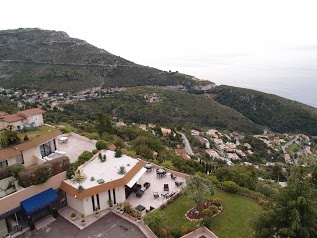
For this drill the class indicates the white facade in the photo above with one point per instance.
(85, 206)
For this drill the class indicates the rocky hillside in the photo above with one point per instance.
(51, 60)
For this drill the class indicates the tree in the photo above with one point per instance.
(199, 189)
(103, 124)
(293, 213)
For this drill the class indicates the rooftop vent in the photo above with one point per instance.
(100, 181)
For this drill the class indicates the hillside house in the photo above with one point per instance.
(203, 141)
(233, 156)
(108, 183)
(212, 153)
(13, 201)
(195, 133)
(182, 153)
(28, 118)
(166, 131)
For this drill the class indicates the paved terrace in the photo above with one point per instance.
(75, 145)
(157, 185)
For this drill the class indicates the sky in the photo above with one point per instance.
(265, 45)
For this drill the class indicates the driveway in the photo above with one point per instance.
(187, 145)
(110, 226)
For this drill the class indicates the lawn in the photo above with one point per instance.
(36, 132)
(234, 220)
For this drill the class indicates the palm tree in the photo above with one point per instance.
(78, 176)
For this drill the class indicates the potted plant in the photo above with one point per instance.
(118, 207)
(83, 221)
(122, 208)
(97, 212)
(138, 215)
(110, 203)
(73, 216)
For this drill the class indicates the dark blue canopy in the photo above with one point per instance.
(39, 201)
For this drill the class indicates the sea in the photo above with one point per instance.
(289, 73)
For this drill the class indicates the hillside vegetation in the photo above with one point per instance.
(51, 60)
(174, 108)
(277, 113)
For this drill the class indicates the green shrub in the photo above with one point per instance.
(176, 232)
(230, 186)
(34, 175)
(213, 209)
(207, 212)
(13, 170)
(118, 153)
(65, 130)
(59, 165)
(216, 201)
(122, 170)
(25, 129)
(101, 145)
(95, 151)
(93, 136)
(4, 173)
(85, 156)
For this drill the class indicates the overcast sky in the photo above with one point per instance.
(237, 42)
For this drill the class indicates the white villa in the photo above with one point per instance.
(103, 182)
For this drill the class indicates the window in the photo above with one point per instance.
(93, 203)
(97, 195)
(3, 164)
(114, 196)
(48, 148)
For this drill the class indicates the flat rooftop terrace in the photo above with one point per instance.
(75, 145)
(107, 171)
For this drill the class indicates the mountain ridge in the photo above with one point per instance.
(52, 61)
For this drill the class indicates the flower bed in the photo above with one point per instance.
(194, 215)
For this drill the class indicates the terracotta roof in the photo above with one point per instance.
(3, 113)
(17, 149)
(180, 151)
(9, 153)
(103, 187)
(12, 118)
(112, 147)
(30, 112)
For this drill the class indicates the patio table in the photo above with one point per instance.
(164, 193)
(161, 171)
(63, 139)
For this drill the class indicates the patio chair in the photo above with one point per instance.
(156, 195)
(177, 183)
(146, 185)
(166, 188)
(173, 176)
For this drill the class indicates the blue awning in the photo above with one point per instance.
(36, 203)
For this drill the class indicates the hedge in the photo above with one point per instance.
(40, 174)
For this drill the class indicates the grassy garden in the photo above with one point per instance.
(233, 221)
